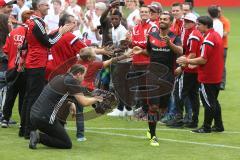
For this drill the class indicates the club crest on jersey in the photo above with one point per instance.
(153, 29)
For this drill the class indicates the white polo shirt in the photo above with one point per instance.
(218, 26)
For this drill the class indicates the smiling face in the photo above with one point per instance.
(165, 21)
(131, 4)
(144, 13)
(186, 9)
(115, 19)
(177, 12)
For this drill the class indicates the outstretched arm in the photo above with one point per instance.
(87, 101)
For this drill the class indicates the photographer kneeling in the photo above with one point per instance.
(53, 97)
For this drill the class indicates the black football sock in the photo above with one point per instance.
(152, 128)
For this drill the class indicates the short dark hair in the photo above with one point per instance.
(34, 4)
(206, 20)
(169, 14)
(141, 3)
(190, 1)
(177, 5)
(76, 68)
(64, 19)
(116, 12)
(190, 5)
(213, 11)
(144, 6)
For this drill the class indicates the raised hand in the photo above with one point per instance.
(137, 50)
(115, 4)
(66, 28)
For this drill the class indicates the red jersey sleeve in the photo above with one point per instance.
(194, 46)
(77, 44)
(97, 64)
(207, 49)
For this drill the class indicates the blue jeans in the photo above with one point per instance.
(171, 109)
(79, 121)
(188, 109)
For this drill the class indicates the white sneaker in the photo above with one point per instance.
(116, 112)
(127, 113)
(82, 139)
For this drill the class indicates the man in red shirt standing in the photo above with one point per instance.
(17, 86)
(67, 47)
(209, 74)
(187, 85)
(36, 59)
(178, 21)
(140, 32)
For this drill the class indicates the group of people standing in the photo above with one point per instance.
(188, 45)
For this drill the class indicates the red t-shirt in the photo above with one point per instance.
(92, 69)
(192, 45)
(67, 47)
(177, 27)
(39, 42)
(212, 51)
(14, 40)
(139, 38)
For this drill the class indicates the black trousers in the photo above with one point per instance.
(35, 82)
(212, 109)
(52, 135)
(187, 86)
(15, 88)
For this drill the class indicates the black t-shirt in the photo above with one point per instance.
(160, 52)
(53, 96)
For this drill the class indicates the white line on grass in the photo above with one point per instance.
(163, 139)
(159, 129)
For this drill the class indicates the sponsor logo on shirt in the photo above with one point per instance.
(161, 49)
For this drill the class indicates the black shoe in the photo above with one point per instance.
(201, 130)
(217, 129)
(175, 123)
(20, 133)
(34, 139)
(4, 124)
(222, 86)
(27, 134)
(191, 125)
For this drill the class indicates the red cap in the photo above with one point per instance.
(3, 3)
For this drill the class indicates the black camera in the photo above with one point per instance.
(122, 3)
